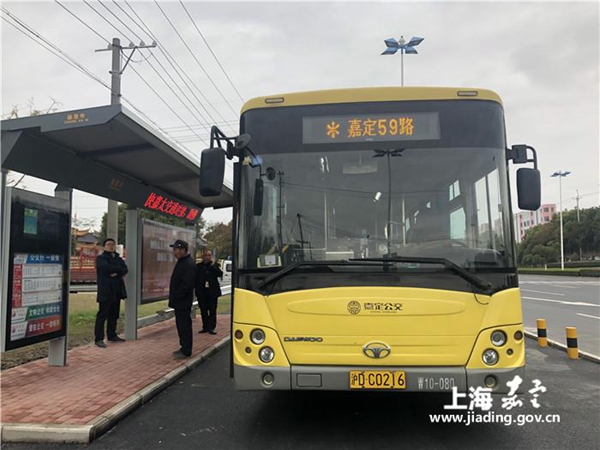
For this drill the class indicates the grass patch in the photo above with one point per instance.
(82, 317)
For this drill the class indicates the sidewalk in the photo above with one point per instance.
(99, 386)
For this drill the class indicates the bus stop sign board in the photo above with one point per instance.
(36, 268)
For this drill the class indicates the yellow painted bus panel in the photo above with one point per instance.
(422, 326)
(373, 94)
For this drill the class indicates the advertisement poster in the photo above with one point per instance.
(157, 257)
(37, 291)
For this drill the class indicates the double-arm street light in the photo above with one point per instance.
(405, 47)
(560, 174)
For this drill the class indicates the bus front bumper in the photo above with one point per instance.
(337, 378)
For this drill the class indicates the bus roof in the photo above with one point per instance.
(371, 94)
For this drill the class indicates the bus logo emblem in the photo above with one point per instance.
(377, 350)
(353, 307)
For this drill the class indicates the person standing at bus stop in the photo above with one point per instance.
(208, 291)
(181, 296)
(110, 270)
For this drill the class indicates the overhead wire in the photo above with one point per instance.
(196, 59)
(158, 74)
(56, 51)
(133, 106)
(211, 51)
(171, 60)
(207, 129)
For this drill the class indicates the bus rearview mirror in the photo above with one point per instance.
(212, 172)
(529, 189)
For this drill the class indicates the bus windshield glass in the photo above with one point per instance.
(442, 192)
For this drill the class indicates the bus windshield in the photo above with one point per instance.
(385, 201)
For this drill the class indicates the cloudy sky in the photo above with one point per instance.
(542, 58)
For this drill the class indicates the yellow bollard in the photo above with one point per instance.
(572, 347)
(541, 332)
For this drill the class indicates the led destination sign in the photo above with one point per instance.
(371, 128)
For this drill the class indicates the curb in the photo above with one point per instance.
(558, 345)
(84, 434)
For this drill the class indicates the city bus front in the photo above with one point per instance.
(374, 245)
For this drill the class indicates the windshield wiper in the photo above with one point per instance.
(283, 272)
(465, 274)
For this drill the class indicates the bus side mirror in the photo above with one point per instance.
(529, 189)
(258, 197)
(212, 172)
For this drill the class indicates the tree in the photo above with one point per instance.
(219, 238)
(541, 244)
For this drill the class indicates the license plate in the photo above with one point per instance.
(377, 379)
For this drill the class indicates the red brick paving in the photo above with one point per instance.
(95, 379)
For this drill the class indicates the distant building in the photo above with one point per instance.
(525, 220)
(84, 236)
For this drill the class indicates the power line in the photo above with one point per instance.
(171, 60)
(194, 56)
(211, 51)
(90, 28)
(51, 47)
(56, 51)
(139, 111)
(168, 60)
(159, 75)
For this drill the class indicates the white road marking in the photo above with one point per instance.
(559, 301)
(587, 315)
(589, 283)
(540, 292)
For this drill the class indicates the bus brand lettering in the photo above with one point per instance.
(383, 307)
(302, 339)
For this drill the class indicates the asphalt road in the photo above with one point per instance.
(563, 302)
(203, 410)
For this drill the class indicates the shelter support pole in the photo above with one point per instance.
(133, 279)
(57, 348)
(2, 200)
(112, 221)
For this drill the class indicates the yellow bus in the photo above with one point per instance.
(374, 246)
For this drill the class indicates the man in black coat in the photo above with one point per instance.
(110, 269)
(181, 296)
(208, 291)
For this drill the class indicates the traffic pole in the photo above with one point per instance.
(572, 347)
(542, 333)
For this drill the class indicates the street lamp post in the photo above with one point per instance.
(560, 174)
(394, 45)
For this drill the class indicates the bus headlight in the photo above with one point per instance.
(490, 357)
(266, 354)
(257, 336)
(498, 338)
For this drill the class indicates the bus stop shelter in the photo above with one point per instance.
(109, 152)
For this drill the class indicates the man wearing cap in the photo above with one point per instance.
(181, 296)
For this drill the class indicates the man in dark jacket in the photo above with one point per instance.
(208, 291)
(181, 296)
(110, 269)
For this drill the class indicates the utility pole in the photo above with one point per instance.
(577, 198)
(560, 174)
(112, 221)
(579, 221)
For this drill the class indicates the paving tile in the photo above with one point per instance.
(83, 390)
